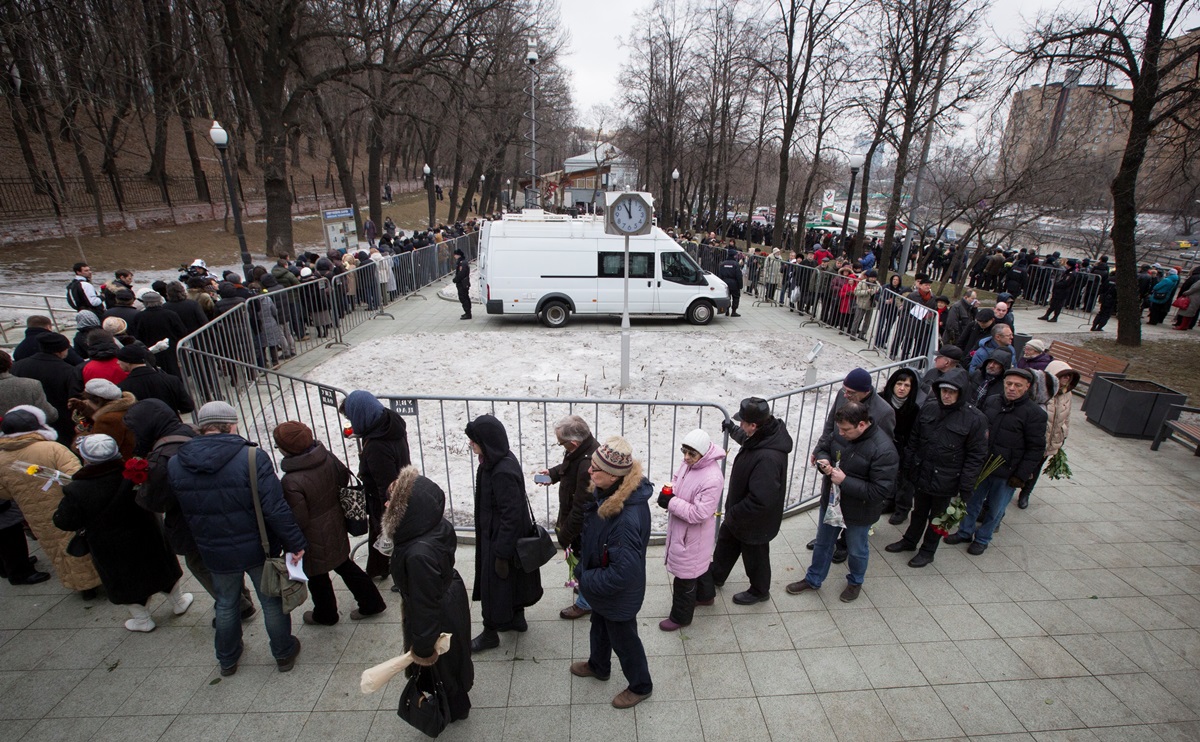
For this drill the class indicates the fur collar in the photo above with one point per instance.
(615, 503)
(126, 401)
(399, 494)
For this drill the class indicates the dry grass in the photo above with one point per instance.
(1171, 363)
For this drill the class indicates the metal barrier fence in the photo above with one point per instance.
(1079, 297)
(61, 315)
(889, 323)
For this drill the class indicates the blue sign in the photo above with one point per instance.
(330, 214)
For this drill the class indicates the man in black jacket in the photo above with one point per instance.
(37, 325)
(574, 492)
(754, 504)
(1017, 437)
(60, 380)
(948, 358)
(731, 273)
(958, 316)
(862, 462)
(146, 382)
(945, 452)
(462, 279)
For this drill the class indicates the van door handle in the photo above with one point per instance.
(649, 284)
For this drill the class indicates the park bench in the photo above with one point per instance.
(1172, 426)
(1087, 363)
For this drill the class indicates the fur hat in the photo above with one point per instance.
(102, 388)
(133, 354)
(98, 448)
(698, 441)
(115, 325)
(614, 456)
(24, 419)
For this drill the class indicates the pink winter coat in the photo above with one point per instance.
(691, 527)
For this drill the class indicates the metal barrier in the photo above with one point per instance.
(23, 304)
(804, 412)
(1079, 296)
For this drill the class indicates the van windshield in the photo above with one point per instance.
(678, 267)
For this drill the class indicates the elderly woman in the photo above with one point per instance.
(25, 437)
(384, 439)
(435, 598)
(1034, 356)
(501, 517)
(1062, 380)
(691, 528)
(312, 478)
(574, 492)
(101, 409)
(126, 542)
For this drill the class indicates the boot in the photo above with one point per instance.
(487, 639)
(180, 601)
(141, 620)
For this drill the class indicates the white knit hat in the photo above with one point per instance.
(698, 441)
(98, 448)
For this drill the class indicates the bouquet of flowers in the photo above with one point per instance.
(572, 561)
(1057, 467)
(137, 470)
(52, 476)
(948, 521)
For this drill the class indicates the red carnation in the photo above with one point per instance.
(137, 470)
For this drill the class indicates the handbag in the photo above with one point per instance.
(353, 498)
(1182, 302)
(275, 580)
(424, 703)
(537, 548)
(78, 545)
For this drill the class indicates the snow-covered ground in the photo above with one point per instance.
(693, 368)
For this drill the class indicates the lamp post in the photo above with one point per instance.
(856, 161)
(532, 194)
(675, 199)
(429, 192)
(220, 139)
(482, 178)
(507, 193)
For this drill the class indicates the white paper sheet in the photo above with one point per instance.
(296, 571)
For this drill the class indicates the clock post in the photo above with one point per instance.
(627, 214)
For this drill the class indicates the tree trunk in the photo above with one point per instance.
(375, 129)
(337, 148)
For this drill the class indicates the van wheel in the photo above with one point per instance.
(700, 312)
(555, 314)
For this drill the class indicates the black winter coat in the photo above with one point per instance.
(969, 339)
(155, 323)
(29, 346)
(574, 492)
(758, 483)
(145, 382)
(731, 274)
(501, 517)
(958, 316)
(384, 454)
(948, 446)
(189, 313)
(435, 598)
(870, 463)
(128, 548)
(159, 433)
(1017, 433)
(60, 380)
(906, 416)
(125, 312)
(612, 557)
(882, 415)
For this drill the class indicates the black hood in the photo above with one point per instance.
(914, 395)
(957, 378)
(152, 419)
(423, 512)
(489, 434)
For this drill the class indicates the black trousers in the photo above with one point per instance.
(902, 494)
(378, 563)
(1102, 317)
(1032, 481)
(609, 636)
(735, 298)
(683, 598)
(925, 508)
(14, 553)
(320, 588)
(464, 298)
(756, 558)
(1158, 312)
(1056, 307)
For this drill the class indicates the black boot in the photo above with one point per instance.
(487, 639)
(1023, 500)
(898, 517)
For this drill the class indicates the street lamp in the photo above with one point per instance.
(674, 198)
(482, 178)
(429, 192)
(220, 139)
(856, 162)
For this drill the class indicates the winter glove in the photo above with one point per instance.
(727, 426)
(502, 568)
(1016, 482)
(664, 501)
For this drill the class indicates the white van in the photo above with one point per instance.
(552, 266)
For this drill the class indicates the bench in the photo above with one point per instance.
(1172, 426)
(1087, 363)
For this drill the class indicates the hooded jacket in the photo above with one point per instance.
(1058, 409)
(311, 483)
(906, 415)
(211, 478)
(612, 561)
(1017, 434)
(758, 482)
(384, 438)
(158, 433)
(985, 351)
(691, 528)
(948, 445)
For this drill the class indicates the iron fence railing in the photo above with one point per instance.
(22, 305)
(1079, 298)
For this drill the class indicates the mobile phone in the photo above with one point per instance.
(541, 478)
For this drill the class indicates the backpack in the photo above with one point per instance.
(76, 299)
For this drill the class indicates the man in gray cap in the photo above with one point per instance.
(754, 505)
(211, 477)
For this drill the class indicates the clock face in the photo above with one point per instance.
(630, 214)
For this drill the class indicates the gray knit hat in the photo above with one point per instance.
(103, 388)
(98, 448)
(216, 413)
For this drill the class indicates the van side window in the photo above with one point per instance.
(612, 265)
(678, 267)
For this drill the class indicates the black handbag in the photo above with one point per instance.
(353, 498)
(537, 548)
(78, 545)
(424, 703)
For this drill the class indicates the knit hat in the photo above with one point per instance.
(698, 441)
(614, 456)
(24, 419)
(85, 318)
(52, 342)
(98, 448)
(293, 438)
(858, 380)
(115, 325)
(1038, 345)
(133, 354)
(363, 409)
(152, 299)
(216, 413)
(102, 388)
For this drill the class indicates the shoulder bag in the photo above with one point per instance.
(424, 703)
(275, 580)
(1182, 302)
(537, 548)
(354, 507)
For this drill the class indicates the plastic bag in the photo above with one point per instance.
(833, 512)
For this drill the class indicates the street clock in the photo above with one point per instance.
(630, 213)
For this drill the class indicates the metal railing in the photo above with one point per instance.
(1081, 295)
(23, 305)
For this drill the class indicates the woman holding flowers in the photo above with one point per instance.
(1058, 421)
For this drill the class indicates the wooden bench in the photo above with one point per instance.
(1172, 426)
(1087, 363)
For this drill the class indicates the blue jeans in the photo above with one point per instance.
(856, 542)
(228, 597)
(995, 492)
(582, 602)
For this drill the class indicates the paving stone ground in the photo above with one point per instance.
(1080, 623)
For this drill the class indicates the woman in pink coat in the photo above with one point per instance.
(691, 528)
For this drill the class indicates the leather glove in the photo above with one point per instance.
(1016, 482)
(502, 568)
(727, 426)
(664, 501)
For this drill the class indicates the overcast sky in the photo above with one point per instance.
(595, 54)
